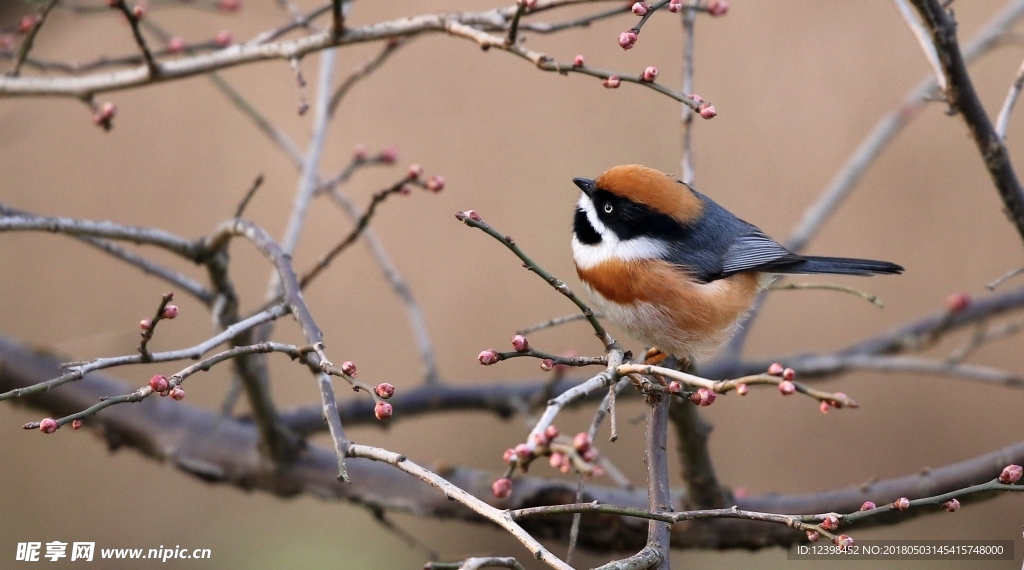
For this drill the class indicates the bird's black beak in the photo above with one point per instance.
(585, 184)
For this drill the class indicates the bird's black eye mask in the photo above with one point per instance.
(629, 219)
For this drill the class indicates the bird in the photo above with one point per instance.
(673, 268)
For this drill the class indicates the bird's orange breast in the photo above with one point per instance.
(663, 306)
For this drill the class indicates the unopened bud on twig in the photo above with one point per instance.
(577, 61)
(951, 505)
(435, 183)
(77, 424)
(707, 111)
(1011, 474)
(389, 155)
(831, 522)
(742, 389)
(382, 410)
(582, 442)
(718, 7)
(230, 5)
(775, 369)
(415, 171)
(675, 387)
(25, 26)
(502, 488)
(843, 541)
(901, 504)
(170, 311)
(627, 39)
(867, 506)
(640, 8)
(520, 343)
(48, 425)
(786, 387)
(384, 390)
(139, 10)
(547, 365)
(178, 393)
(348, 368)
(158, 383)
(957, 302)
(651, 73)
(488, 357)
(551, 431)
(612, 82)
(813, 535)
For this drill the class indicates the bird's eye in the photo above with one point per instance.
(608, 207)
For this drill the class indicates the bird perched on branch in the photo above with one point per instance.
(673, 268)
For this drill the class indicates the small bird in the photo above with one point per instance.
(673, 268)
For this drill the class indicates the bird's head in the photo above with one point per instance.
(634, 204)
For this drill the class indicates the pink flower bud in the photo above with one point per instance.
(824, 406)
(640, 9)
(551, 431)
(565, 467)
(786, 387)
(404, 190)
(25, 26)
(843, 541)
(612, 82)
(224, 38)
(675, 6)
(1011, 474)
(831, 522)
(651, 73)
(597, 471)
(742, 389)
(627, 39)
(540, 439)
(77, 424)
(901, 504)
(547, 365)
(695, 97)
(718, 7)
(582, 442)
(348, 368)
(867, 506)
(359, 153)
(578, 61)
(957, 302)
(590, 455)
(382, 410)
(520, 343)
(502, 488)
(170, 311)
(813, 535)
(703, 397)
(951, 505)
(158, 383)
(230, 5)
(740, 492)
(675, 387)
(144, 324)
(510, 456)
(488, 357)
(389, 155)
(48, 425)
(435, 183)
(139, 10)
(177, 393)
(775, 369)
(176, 45)
(523, 452)
(707, 111)
(415, 171)
(789, 374)
(471, 214)
(556, 460)
(384, 390)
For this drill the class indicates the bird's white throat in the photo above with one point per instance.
(611, 247)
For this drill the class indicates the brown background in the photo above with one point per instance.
(797, 85)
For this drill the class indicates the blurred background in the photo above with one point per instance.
(797, 85)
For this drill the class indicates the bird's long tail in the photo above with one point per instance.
(837, 265)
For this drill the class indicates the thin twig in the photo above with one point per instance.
(133, 21)
(1003, 120)
(150, 328)
(30, 38)
(1007, 276)
(555, 322)
(921, 35)
(472, 219)
(248, 196)
(869, 297)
